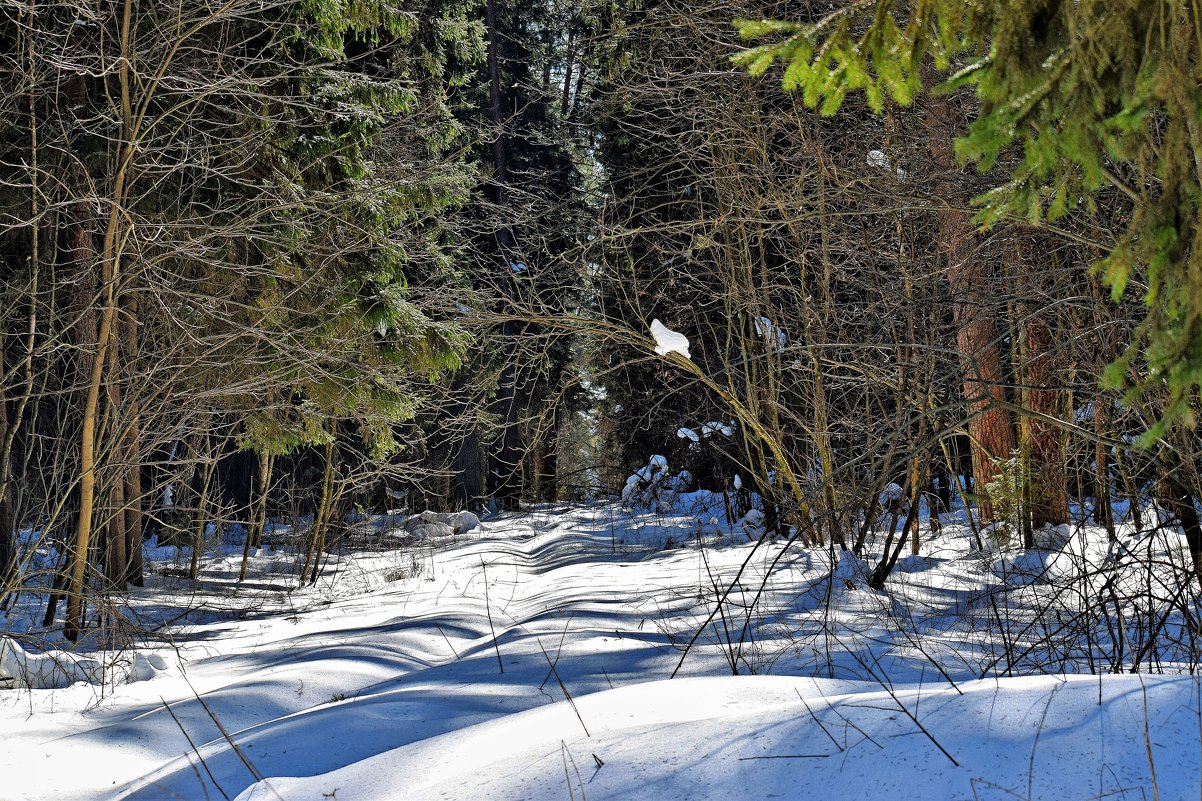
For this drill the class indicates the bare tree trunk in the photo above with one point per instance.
(569, 63)
(201, 507)
(8, 543)
(322, 515)
(331, 498)
(87, 467)
(1178, 498)
(116, 558)
(1103, 510)
(254, 535)
(9, 428)
(469, 468)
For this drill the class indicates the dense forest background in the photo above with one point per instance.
(285, 261)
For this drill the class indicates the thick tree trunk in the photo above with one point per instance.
(1043, 440)
(116, 558)
(506, 461)
(1179, 500)
(133, 460)
(989, 424)
(469, 489)
(254, 534)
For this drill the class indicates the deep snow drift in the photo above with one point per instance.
(531, 657)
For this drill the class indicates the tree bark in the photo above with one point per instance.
(506, 462)
(1043, 440)
(989, 424)
(1179, 500)
(133, 460)
(254, 534)
(202, 503)
(1103, 510)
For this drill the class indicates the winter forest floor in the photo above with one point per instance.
(533, 658)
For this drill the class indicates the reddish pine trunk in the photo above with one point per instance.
(1044, 442)
(989, 424)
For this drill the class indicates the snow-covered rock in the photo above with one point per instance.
(435, 530)
(55, 669)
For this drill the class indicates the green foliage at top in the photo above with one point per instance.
(1085, 95)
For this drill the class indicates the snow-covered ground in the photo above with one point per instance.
(578, 653)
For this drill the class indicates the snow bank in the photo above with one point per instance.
(1046, 738)
(55, 669)
(435, 525)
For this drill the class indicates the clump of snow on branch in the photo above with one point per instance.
(891, 495)
(878, 159)
(669, 341)
(708, 430)
(688, 433)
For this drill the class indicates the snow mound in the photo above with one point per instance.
(781, 737)
(460, 522)
(439, 524)
(753, 523)
(54, 670)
